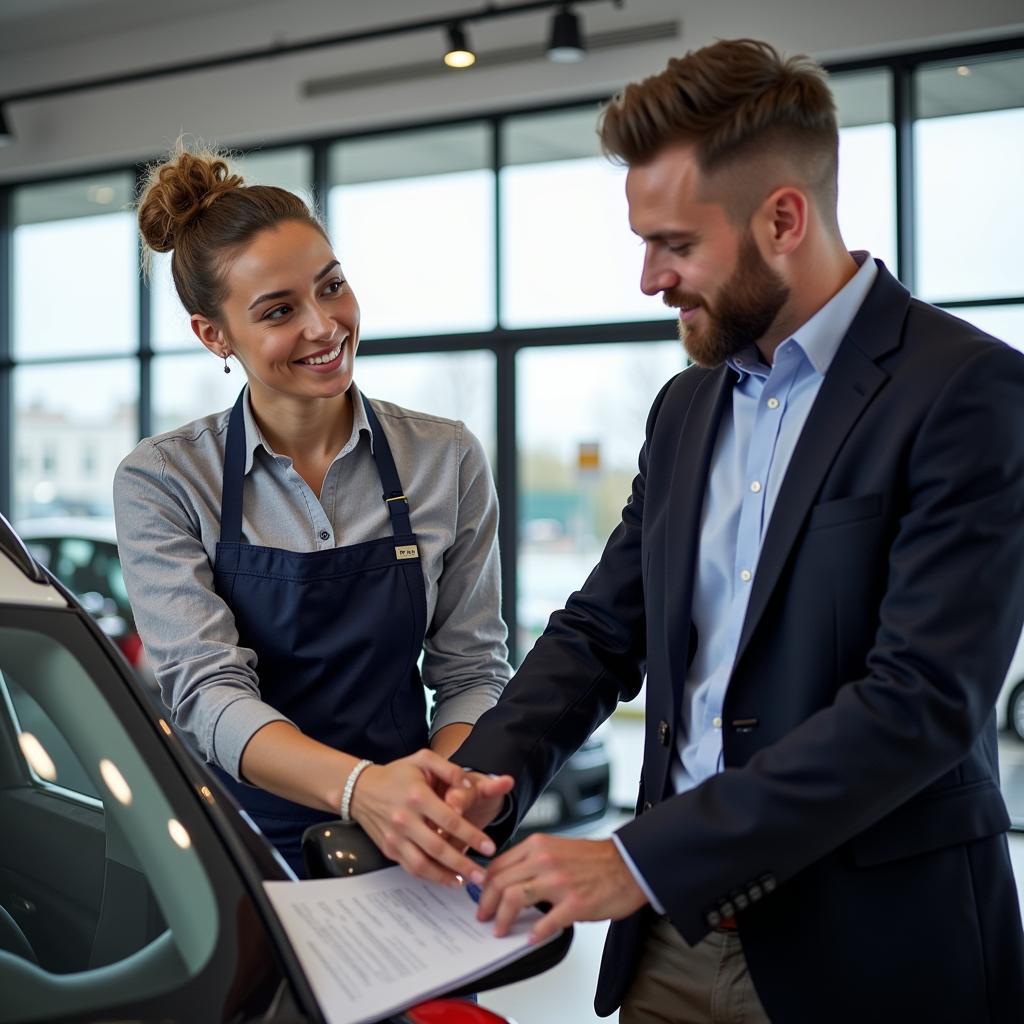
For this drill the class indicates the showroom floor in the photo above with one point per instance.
(570, 985)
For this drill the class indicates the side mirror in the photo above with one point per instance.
(338, 849)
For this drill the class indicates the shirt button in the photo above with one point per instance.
(756, 486)
(746, 575)
(773, 403)
(717, 722)
(324, 535)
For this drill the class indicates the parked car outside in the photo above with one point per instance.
(1010, 704)
(131, 884)
(82, 553)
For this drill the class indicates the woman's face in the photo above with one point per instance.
(290, 317)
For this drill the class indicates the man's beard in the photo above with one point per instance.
(747, 306)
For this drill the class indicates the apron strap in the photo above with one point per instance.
(234, 476)
(394, 498)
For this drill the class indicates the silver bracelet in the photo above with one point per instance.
(350, 785)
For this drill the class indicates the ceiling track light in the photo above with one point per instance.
(459, 53)
(6, 135)
(566, 45)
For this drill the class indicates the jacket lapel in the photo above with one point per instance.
(695, 442)
(851, 383)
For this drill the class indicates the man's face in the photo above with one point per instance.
(702, 264)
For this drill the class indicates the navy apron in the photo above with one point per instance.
(337, 634)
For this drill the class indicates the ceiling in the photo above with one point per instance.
(26, 24)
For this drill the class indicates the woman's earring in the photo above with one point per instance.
(227, 369)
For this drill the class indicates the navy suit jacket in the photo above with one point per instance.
(857, 828)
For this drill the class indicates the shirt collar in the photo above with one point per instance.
(254, 438)
(820, 336)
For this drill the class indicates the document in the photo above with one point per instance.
(372, 945)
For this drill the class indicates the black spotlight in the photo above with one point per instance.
(566, 44)
(6, 135)
(459, 53)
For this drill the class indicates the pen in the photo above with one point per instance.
(473, 890)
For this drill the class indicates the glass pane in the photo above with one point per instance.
(457, 385)
(968, 171)
(134, 875)
(186, 387)
(169, 323)
(287, 168)
(867, 163)
(75, 276)
(562, 202)
(412, 220)
(72, 425)
(581, 413)
(1003, 322)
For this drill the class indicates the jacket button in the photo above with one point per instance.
(647, 805)
(713, 918)
(663, 733)
(768, 883)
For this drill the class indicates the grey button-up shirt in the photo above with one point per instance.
(167, 500)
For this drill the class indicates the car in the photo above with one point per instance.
(1010, 703)
(576, 796)
(131, 884)
(82, 553)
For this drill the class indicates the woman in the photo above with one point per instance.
(290, 559)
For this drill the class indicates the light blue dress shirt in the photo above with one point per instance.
(770, 405)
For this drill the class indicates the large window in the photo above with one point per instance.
(567, 254)
(412, 220)
(74, 289)
(499, 284)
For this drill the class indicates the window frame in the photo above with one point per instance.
(503, 342)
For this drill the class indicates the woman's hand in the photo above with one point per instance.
(398, 806)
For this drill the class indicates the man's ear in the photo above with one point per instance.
(782, 220)
(211, 335)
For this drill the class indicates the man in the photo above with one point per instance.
(819, 570)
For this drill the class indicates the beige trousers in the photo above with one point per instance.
(704, 984)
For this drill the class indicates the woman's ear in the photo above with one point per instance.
(210, 335)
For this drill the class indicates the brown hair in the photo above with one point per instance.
(735, 101)
(194, 205)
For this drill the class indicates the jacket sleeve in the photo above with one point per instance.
(590, 656)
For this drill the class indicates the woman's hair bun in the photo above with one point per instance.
(178, 191)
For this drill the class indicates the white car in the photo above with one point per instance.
(1010, 704)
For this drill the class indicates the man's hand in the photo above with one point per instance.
(399, 807)
(582, 879)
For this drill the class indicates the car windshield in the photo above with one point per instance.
(104, 898)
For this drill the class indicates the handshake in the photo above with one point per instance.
(425, 813)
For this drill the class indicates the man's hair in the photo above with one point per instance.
(738, 103)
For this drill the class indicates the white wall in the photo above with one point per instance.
(260, 103)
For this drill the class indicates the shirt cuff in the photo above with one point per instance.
(237, 724)
(465, 708)
(628, 861)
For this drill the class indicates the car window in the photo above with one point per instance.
(34, 726)
(99, 878)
